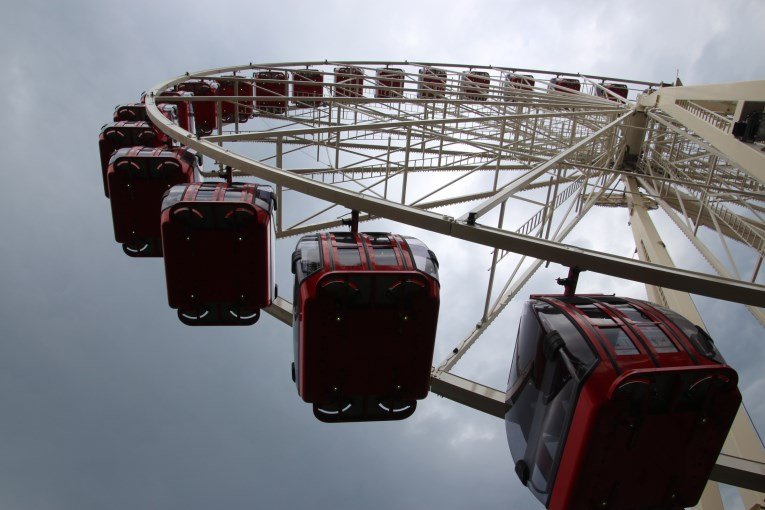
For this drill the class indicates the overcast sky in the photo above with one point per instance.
(109, 402)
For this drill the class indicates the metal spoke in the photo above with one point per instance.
(552, 153)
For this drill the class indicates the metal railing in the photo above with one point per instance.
(723, 124)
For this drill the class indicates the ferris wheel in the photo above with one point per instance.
(511, 159)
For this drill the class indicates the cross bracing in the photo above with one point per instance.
(455, 161)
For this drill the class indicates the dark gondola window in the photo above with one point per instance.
(659, 340)
(633, 313)
(424, 259)
(266, 199)
(705, 345)
(553, 428)
(577, 346)
(348, 257)
(169, 111)
(173, 196)
(347, 250)
(233, 195)
(655, 335)
(310, 257)
(384, 256)
(295, 299)
(205, 194)
(522, 387)
(560, 377)
(700, 339)
(593, 312)
(190, 157)
(619, 340)
(597, 316)
(542, 394)
(531, 331)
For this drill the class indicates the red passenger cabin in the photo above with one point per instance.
(349, 81)
(185, 109)
(235, 86)
(138, 177)
(520, 81)
(366, 309)
(273, 85)
(205, 112)
(390, 83)
(127, 134)
(136, 112)
(620, 89)
(615, 403)
(568, 85)
(217, 241)
(309, 84)
(516, 85)
(474, 85)
(432, 83)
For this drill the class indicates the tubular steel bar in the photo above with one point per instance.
(650, 246)
(512, 287)
(623, 267)
(739, 472)
(527, 178)
(378, 126)
(543, 131)
(671, 99)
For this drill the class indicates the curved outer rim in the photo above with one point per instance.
(653, 274)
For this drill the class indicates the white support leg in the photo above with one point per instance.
(742, 440)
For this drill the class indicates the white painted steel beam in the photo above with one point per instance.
(477, 128)
(569, 256)
(379, 126)
(737, 91)
(521, 182)
(742, 440)
(758, 313)
(512, 287)
(281, 310)
(469, 393)
(622, 267)
(744, 473)
(748, 157)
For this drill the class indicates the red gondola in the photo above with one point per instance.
(615, 403)
(133, 112)
(136, 112)
(520, 81)
(620, 89)
(390, 83)
(185, 109)
(349, 81)
(308, 83)
(272, 84)
(234, 86)
(217, 241)
(205, 112)
(432, 83)
(138, 177)
(366, 308)
(567, 85)
(127, 134)
(474, 85)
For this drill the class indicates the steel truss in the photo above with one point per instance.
(556, 153)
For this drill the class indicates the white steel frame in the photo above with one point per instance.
(667, 147)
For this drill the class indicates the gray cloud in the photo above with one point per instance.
(109, 402)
